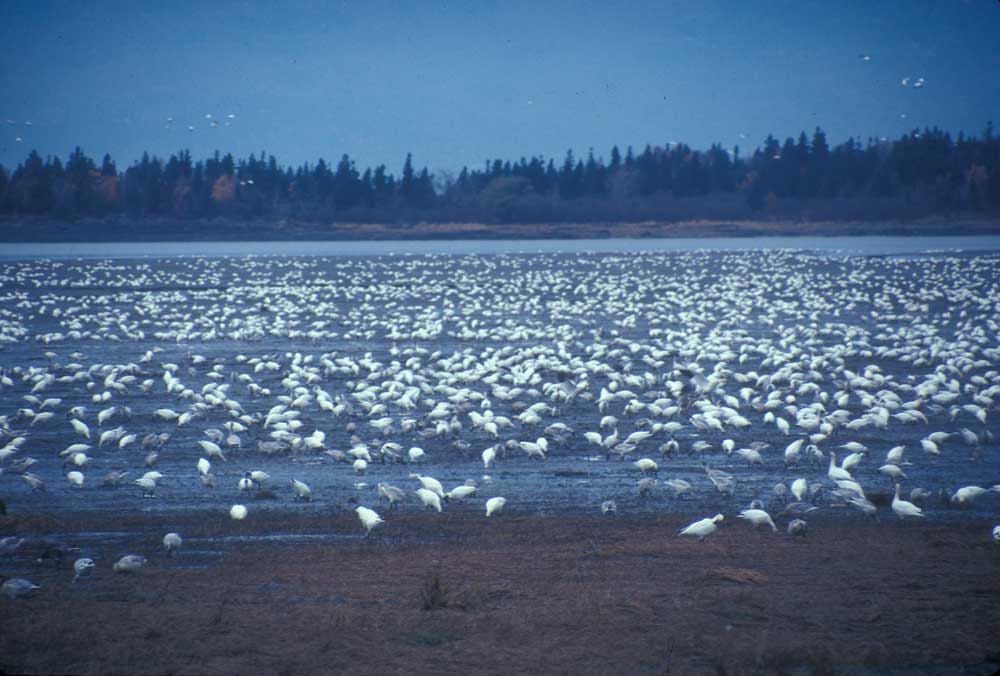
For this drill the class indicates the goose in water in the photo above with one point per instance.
(34, 482)
(147, 485)
(678, 486)
(114, 478)
(535, 449)
(702, 528)
(797, 509)
(494, 505)
(852, 460)
(723, 481)
(258, 477)
(82, 567)
(800, 489)
(237, 512)
(302, 490)
(758, 517)
(369, 518)
(895, 455)
(609, 507)
(837, 473)
(172, 543)
(996, 534)
(966, 495)
(391, 493)
(793, 452)
(646, 465)
(429, 498)
(130, 563)
(81, 428)
(751, 456)
(895, 472)
(430, 483)
(489, 456)
(646, 485)
(460, 492)
(904, 508)
(212, 449)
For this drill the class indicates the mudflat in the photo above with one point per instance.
(549, 593)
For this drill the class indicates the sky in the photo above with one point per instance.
(456, 83)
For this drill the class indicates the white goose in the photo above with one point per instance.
(702, 528)
(835, 472)
(758, 517)
(904, 508)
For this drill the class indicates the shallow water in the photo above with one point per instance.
(872, 245)
(115, 310)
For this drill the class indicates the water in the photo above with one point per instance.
(634, 307)
(870, 245)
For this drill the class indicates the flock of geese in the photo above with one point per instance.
(773, 384)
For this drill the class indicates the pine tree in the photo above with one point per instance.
(406, 187)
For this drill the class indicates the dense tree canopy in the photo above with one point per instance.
(921, 172)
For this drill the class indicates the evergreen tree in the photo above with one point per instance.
(921, 172)
(616, 160)
(406, 187)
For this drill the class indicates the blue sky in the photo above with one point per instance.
(458, 82)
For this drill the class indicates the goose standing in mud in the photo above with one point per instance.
(130, 563)
(702, 528)
(797, 528)
(16, 588)
(758, 517)
(82, 567)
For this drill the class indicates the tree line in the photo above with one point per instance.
(921, 172)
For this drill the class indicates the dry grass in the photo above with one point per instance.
(741, 575)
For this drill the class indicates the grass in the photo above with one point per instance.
(433, 594)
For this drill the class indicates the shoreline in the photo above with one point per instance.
(165, 230)
(513, 594)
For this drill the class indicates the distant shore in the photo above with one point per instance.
(160, 230)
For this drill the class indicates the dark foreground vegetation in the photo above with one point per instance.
(921, 174)
(538, 594)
